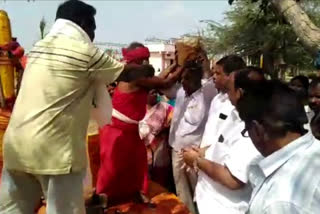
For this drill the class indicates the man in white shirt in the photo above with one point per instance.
(286, 179)
(220, 107)
(44, 144)
(222, 182)
(187, 126)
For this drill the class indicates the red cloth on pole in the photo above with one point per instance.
(23, 61)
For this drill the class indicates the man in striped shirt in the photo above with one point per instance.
(286, 180)
(44, 145)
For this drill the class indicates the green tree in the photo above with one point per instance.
(297, 14)
(252, 30)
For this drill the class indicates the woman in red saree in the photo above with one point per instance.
(123, 158)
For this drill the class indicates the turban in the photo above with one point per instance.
(136, 55)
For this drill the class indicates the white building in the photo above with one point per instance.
(161, 55)
(112, 49)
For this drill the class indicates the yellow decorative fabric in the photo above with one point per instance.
(4, 120)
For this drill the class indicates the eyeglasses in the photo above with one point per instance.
(245, 131)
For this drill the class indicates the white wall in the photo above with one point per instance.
(156, 61)
(160, 47)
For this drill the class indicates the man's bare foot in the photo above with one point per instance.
(88, 195)
(94, 199)
(143, 199)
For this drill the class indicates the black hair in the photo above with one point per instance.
(245, 80)
(275, 106)
(114, 84)
(149, 71)
(132, 74)
(231, 63)
(194, 69)
(256, 70)
(315, 82)
(77, 12)
(303, 79)
(135, 45)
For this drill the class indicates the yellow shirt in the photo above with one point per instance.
(47, 131)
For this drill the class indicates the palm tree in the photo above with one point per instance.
(43, 24)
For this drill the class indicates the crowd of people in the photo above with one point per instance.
(224, 139)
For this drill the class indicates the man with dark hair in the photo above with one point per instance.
(224, 67)
(314, 96)
(191, 78)
(285, 179)
(300, 85)
(249, 77)
(44, 144)
(187, 126)
(256, 73)
(222, 183)
(79, 13)
(220, 106)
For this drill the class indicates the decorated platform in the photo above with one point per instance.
(166, 202)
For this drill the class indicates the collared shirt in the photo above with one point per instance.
(236, 152)
(309, 112)
(48, 126)
(310, 115)
(288, 180)
(209, 90)
(189, 117)
(220, 109)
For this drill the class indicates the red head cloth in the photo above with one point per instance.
(18, 52)
(135, 56)
(15, 49)
(23, 61)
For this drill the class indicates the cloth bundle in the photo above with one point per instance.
(187, 49)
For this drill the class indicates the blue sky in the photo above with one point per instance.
(119, 21)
